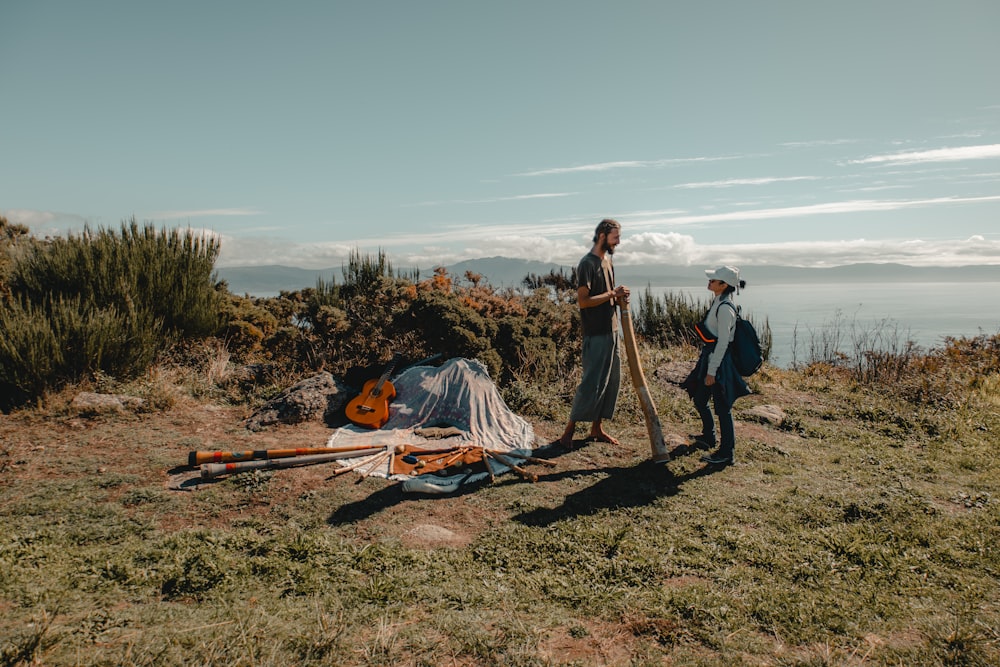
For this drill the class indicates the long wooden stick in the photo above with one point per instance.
(354, 466)
(373, 464)
(653, 428)
(524, 457)
(489, 467)
(513, 466)
(210, 470)
(198, 457)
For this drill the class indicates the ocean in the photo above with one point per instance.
(924, 313)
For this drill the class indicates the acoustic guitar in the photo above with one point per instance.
(370, 408)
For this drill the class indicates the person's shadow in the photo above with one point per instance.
(394, 495)
(632, 486)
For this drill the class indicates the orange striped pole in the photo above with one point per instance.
(199, 457)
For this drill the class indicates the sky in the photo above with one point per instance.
(798, 132)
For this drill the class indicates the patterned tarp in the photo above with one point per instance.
(457, 394)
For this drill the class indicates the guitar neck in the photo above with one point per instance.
(377, 390)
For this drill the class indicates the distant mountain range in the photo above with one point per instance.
(510, 272)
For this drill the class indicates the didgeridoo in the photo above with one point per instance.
(653, 428)
(197, 458)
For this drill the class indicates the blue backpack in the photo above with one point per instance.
(745, 348)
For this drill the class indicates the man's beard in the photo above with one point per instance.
(608, 248)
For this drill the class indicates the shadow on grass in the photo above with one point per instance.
(623, 486)
(633, 486)
(394, 495)
(373, 504)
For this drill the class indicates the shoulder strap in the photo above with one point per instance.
(736, 311)
(732, 305)
(608, 281)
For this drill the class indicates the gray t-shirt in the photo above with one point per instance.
(591, 274)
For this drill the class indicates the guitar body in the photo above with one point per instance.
(370, 409)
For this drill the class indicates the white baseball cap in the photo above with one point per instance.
(727, 274)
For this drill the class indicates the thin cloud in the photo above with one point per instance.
(937, 155)
(495, 200)
(28, 217)
(600, 166)
(733, 182)
(818, 142)
(47, 223)
(625, 164)
(913, 252)
(829, 208)
(875, 188)
(964, 135)
(446, 235)
(264, 251)
(205, 213)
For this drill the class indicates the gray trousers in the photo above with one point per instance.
(597, 394)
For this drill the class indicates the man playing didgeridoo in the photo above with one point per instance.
(596, 294)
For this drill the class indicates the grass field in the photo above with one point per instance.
(861, 530)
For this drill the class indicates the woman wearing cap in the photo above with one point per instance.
(715, 376)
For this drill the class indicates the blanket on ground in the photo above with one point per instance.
(453, 405)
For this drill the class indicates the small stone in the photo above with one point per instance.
(771, 414)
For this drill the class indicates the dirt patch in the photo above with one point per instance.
(588, 642)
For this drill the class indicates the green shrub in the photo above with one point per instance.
(168, 274)
(10, 237)
(62, 340)
(448, 325)
(947, 376)
(104, 302)
(668, 319)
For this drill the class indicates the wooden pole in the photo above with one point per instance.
(198, 457)
(653, 428)
(210, 470)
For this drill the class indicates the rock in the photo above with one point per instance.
(430, 535)
(319, 397)
(88, 401)
(673, 372)
(770, 414)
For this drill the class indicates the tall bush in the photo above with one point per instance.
(670, 319)
(102, 301)
(168, 274)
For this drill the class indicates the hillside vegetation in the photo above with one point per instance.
(860, 528)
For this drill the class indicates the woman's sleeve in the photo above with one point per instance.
(727, 323)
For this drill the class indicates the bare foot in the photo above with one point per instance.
(565, 441)
(604, 436)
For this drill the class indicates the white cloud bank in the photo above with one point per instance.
(671, 248)
(682, 250)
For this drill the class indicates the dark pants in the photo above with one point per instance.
(723, 410)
